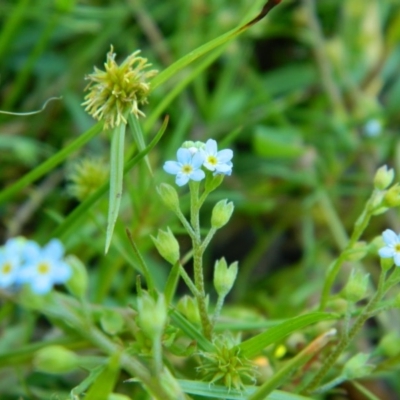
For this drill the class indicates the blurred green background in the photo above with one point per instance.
(308, 99)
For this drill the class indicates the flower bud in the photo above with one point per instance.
(356, 287)
(167, 245)
(169, 196)
(188, 307)
(78, 282)
(357, 367)
(383, 177)
(357, 252)
(390, 344)
(55, 359)
(386, 263)
(152, 314)
(392, 196)
(213, 181)
(224, 276)
(221, 214)
(111, 322)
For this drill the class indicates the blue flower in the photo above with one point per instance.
(10, 263)
(392, 248)
(44, 267)
(217, 161)
(187, 167)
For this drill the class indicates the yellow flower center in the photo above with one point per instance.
(43, 268)
(7, 267)
(397, 247)
(187, 169)
(212, 160)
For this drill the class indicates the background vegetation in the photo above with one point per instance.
(307, 99)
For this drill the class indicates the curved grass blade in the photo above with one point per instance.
(253, 347)
(116, 179)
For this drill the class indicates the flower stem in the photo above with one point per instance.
(347, 337)
(198, 259)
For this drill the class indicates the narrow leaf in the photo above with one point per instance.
(138, 136)
(204, 389)
(253, 347)
(116, 179)
(172, 282)
(191, 331)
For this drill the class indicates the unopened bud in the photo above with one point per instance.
(392, 196)
(390, 344)
(213, 181)
(383, 177)
(167, 245)
(357, 252)
(221, 214)
(357, 367)
(112, 322)
(224, 276)
(188, 307)
(78, 282)
(356, 287)
(55, 359)
(152, 314)
(169, 196)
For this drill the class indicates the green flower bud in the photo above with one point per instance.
(390, 344)
(78, 283)
(224, 276)
(213, 181)
(169, 196)
(111, 322)
(55, 359)
(357, 367)
(357, 252)
(167, 245)
(386, 263)
(383, 177)
(392, 196)
(221, 214)
(356, 287)
(188, 307)
(152, 315)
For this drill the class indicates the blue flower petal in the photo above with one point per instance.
(172, 167)
(211, 146)
(225, 155)
(396, 259)
(198, 159)
(390, 237)
(54, 249)
(184, 156)
(386, 252)
(181, 179)
(197, 175)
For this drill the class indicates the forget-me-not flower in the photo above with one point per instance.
(217, 161)
(187, 167)
(10, 263)
(392, 248)
(44, 267)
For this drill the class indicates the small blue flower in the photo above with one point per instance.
(217, 161)
(187, 167)
(392, 248)
(10, 263)
(44, 267)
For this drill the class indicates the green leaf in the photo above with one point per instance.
(105, 382)
(172, 282)
(138, 136)
(222, 392)
(191, 331)
(253, 347)
(116, 179)
(94, 373)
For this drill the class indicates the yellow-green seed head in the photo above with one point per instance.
(119, 90)
(86, 177)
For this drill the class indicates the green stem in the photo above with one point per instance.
(198, 259)
(218, 308)
(347, 338)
